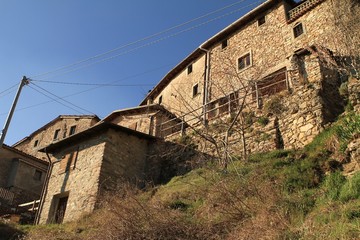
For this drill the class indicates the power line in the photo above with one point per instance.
(59, 99)
(89, 89)
(8, 91)
(95, 84)
(137, 41)
(73, 67)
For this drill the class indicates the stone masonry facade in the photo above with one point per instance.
(268, 66)
(59, 128)
(265, 49)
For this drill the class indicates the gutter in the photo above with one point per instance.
(206, 82)
(44, 190)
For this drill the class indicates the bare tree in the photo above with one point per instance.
(227, 117)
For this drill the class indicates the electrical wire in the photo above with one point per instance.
(96, 84)
(87, 90)
(8, 91)
(58, 99)
(75, 66)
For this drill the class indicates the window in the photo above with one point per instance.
(244, 61)
(37, 175)
(190, 69)
(271, 84)
(224, 44)
(195, 91)
(72, 130)
(261, 20)
(36, 143)
(56, 134)
(160, 99)
(298, 30)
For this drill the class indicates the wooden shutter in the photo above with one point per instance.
(68, 163)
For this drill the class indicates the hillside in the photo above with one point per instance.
(284, 194)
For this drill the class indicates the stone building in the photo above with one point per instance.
(55, 130)
(100, 159)
(271, 64)
(147, 119)
(21, 177)
(278, 48)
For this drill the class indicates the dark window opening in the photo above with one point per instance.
(190, 69)
(223, 105)
(244, 61)
(36, 143)
(261, 20)
(60, 208)
(298, 30)
(56, 134)
(160, 99)
(37, 175)
(211, 111)
(72, 130)
(195, 90)
(224, 44)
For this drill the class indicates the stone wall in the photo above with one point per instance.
(167, 159)
(156, 122)
(45, 136)
(124, 160)
(80, 183)
(102, 161)
(178, 97)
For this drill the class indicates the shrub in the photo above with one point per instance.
(349, 128)
(274, 106)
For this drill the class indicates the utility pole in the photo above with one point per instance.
(24, 81)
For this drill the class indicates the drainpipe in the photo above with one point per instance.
(44, 189)
(206, 83)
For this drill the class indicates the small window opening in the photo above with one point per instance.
(298, 30)
(72, 130)
(244, 61)
(224, 44)
(56, 134)
(261, 20)
(160, 99)
(195, 90)
(36, 143)
(190, 69)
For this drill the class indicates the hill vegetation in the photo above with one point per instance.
(283, 194)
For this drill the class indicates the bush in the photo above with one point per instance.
(274, 106)
(349, 128)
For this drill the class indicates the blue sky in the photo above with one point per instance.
(40, 37)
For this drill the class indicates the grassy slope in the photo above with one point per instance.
(277, 195)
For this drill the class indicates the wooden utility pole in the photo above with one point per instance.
(24, 81)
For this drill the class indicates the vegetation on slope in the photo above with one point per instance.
(282, 194)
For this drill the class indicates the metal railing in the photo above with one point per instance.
(205, 112)
(30, 206)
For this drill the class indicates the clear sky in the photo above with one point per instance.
(66, 41)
